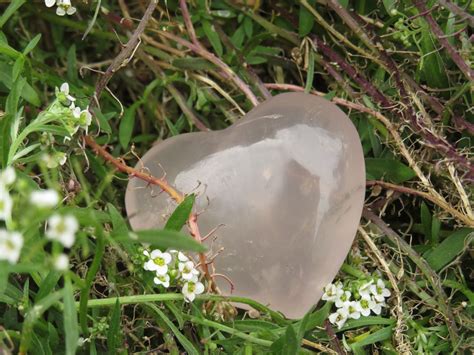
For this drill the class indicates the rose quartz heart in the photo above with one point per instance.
(287, 182)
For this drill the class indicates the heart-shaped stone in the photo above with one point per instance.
(287, 183)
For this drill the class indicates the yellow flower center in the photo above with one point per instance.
(159, 261)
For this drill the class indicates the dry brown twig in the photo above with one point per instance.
(121, 60)
(440, 35)
(403, 347)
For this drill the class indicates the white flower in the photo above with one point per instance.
(62, 229)
(353, 309)
(65, 7)
(76, 111)
(162, 280)
(7, 176)
(10, 246)
(191, 289)
(364, 290)
(85, 118)
(366, 304)
(339, 317)
(181, 257)
(158, 261)
(44, 198)
(6, 204)
(188, 272)
(342, 299)
(332, 292)
(61, 262)
(55, 159)
(49, 3)
(377, 306)
(64, 92)
(379, 291)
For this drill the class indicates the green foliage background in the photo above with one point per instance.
(418, 158)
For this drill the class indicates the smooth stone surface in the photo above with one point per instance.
(287, 181)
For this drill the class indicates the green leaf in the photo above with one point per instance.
(301, 327)
(171, 127)
(248, 27)
(238, 37)
(47, 285)
(187, 345)
(306, 19)
(375, 337)
(126, 125)
(9, 51)
(435, 229)
(426, 220)
(11, 9)
(114, 335)
(120, 227)
(103, 122)
(32, 44)
(181, 214)
(25, 151)
(71, 64)
(213, 37)
(11, 106)
(18, 67)
(389, 5)
(366, 321)
(94, 19)
(449, 248)
(388, 169)
(287, 344)
(163, 239)
(431, 64)
(70, 318)
(310, 74)
(316, 319)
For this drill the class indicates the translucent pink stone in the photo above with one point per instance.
(286, 182)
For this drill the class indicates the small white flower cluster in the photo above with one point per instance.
(64, 7)
(72, 117)
(174, 268)
(60, 228)
(7, 178)
(11, 242)
(369, 297)
(80, 118)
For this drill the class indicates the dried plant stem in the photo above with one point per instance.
(403, 347)
(431, 276)
(180, 100)
(438, 32)
(467, 220)
(227, 72)
(455, 9)
(220, 90)
(200, 50)
(417, 124)
(432, 195)
(333, 338)
(162, 184)
(125, 54)
(462, 192)
(339, 36)
(318, 347)
(188, 23)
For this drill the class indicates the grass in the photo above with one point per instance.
(400, 69)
